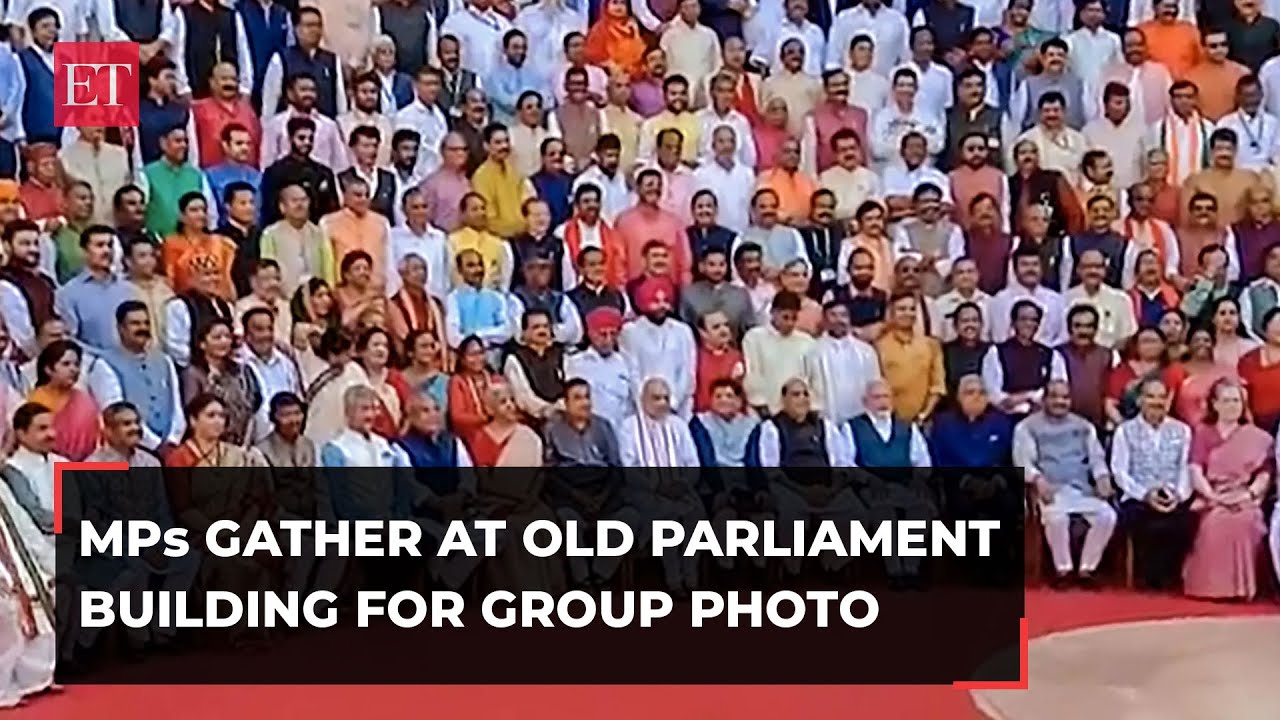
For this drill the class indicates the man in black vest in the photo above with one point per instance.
(26, 293)
(297, 168)
(822, 240)
(971, 114)
(187, 313)
(306, 57)
(240, 226)
(592, 292)
(412, 25)
(211, 33)
(535, 368)
(1017, 370)
(457, 81)
(536, 292)
(383, 189)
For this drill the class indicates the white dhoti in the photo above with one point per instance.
(26, 664)
(842, 508)
(1056, 518)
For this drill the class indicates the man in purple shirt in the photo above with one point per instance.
(445, 188)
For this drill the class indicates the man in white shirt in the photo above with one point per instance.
(29, 470)
(417, 236)
(935, 79)
(275, 371)
(798, 26)
(887, 27)
(661, 346)
(849, 179)
(425, 117)
(1120, 133)
(731, 181)
(870, 89)
(839, 367)
(903, 115)
(605, 367)
(1026, 286)
(721, 114)
(608, 177)
(964, 289)
(479, 30)
(901, 179)
(328, 148)
(548, 22)
(692, 49)
(1257, 130)
(1061, 148)
(1091, 47)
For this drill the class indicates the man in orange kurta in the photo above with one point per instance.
(1172, 42)
(356, 227)
(794, 187)
(1216, 77)
(647, 221)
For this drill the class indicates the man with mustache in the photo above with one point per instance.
(137, 372)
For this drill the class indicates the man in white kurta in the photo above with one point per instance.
(28, 646)
(839, 366)
(1062, 459)
(658, 451)
(774, 353)
(660, 346)
(1183, 133)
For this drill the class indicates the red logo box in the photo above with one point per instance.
(96, 84)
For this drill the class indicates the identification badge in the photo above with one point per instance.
(993, 143)
(827, 275)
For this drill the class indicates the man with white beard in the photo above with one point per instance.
(658, 449)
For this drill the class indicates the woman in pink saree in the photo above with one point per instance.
(1230, 459)
(75, 413)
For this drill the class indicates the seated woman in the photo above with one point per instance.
(1230, 343)
(193, 246)
(1260, 372)
(424, 374)
(356, 293)
(615, 42)
(325, 409)
(468, 388)
(213, 370)
(1145, 359)
(313, 311)
(1230, 471)
(373, 354)
(75, 412)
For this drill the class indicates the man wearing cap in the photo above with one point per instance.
(536, 293)
(607, 369)
(660, 346)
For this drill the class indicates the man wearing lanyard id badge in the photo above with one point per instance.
(822, 240)
(1255, 128)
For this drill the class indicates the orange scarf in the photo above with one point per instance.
(1160, 241)
(1199, 147)
(615, 259)
(616, 41)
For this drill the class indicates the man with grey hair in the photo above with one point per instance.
(803, 454)
(357, 446)
(1066, 466)
(656, 446)
(417, 236)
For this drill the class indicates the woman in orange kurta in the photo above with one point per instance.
(1260, 371)
(614, 42)
(193, 246)
(468, 390)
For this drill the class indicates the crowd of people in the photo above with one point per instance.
(663, 234)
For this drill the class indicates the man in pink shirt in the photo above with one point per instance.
(646, 221)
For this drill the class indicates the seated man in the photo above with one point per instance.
(1066, 467)
(29, 470)
(473, 309)
(535, 368)
(592, 489)
(1017, 370)
(105, 502)
(975, 434)
(536, 292)
(723, 435)
(606, 369)
(661, 483)
(797, 437)
(880, 439)
(1150, 463)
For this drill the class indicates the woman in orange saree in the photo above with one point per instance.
(75, 412)
(468, 390)
(615, 42)
(193, 247)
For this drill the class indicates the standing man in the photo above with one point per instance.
(26, 293)
(239, 163)
(228, 106)
(88, 302)
(774, 353)
(910, 361)
(296, 243)
(305, 57)
(298, 168)
(839, 367)
(660, 346)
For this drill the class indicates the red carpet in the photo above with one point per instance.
(1047, 612)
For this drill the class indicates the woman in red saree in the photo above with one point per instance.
(356, 295)
(1144, 359)
(615, 42)
(75, 413)
(1230, 471)
(1260, 372)
(504, 441)
(373, 353)
(468, 389)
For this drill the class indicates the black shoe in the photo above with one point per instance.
(1061, 581)
(1086, 580)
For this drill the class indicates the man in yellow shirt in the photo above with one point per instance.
(910, 362)
(473, 234)
(675, 90)
(503, 188)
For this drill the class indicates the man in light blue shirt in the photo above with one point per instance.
(237, 145)
(88, 302)
(472, 309)
(13, 89)
(512, 77)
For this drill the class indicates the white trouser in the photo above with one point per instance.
(26, 665)
(1275, 538)
(1056, 517)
